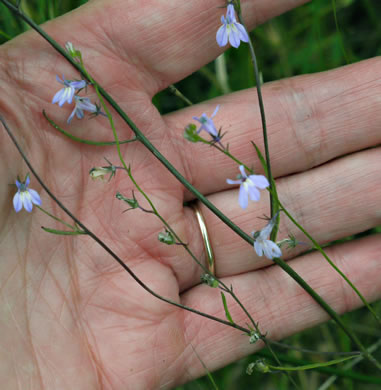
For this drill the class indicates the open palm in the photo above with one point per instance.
(70, 317)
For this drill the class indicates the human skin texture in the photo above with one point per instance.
(70, 317)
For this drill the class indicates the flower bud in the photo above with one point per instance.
(190, 133)
(209, 280)
(166, 238)
(101, 172)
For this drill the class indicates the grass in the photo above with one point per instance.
(305, 40)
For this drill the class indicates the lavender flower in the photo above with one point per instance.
(83, 104)
(25, 196)
(263, 245)
(249, 186)
(66, 94)
(231, 30)
(207, 124)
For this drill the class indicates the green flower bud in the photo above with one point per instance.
(166, 238)
(190, 133)
(209, 280)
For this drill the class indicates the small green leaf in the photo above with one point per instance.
(314, 365)
(190, 133)
(81, 140)
(64, 232)
(227, 313)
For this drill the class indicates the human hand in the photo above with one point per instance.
(70, 316)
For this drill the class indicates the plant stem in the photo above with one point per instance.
(273, 208)
(141, 137)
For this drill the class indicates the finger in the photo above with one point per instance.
(277, 303)
(311, 119)
(165, 42)
(170, 41)
(331, 202)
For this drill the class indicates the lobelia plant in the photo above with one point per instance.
(233, 32)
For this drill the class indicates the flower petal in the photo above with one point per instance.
(243, 36)
(27, 181)
(80, 114)
(230, 181)
(258, 248)
(222, 36)
(215, 111)
(254, 194)
(230, 14)
(17, 203)
(71, 115)
(266, 231)
(35, 197)
(271, 249)
(234, 37)
(58, 95)
(259, 181)
(27, 201)
(242, 170)
(243, 198)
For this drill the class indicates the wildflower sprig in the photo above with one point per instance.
(106, 248)
(207, 278)
(294, 275)
(150, 147)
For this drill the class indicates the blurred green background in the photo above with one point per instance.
(304, 40)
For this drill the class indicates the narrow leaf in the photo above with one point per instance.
(81, 140)
(314, 365)
(227, 313)
(63, 232)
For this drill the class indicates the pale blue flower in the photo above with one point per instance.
(207, 124)
(249, 186)
(263, 245)
(25, 196)
(66, 94)
(83, 104)
(231, 30)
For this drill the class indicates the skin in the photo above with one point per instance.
(70, 317)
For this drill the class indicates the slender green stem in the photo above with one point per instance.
(339, 32)
(273, 207)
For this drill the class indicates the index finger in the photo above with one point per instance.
(174, 41)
